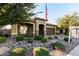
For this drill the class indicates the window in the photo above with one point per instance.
(23, 29)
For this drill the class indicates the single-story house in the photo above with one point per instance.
(36, 26)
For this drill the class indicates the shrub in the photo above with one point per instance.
(2, 35)
(58, 46)
(28, 35)
(40, 51)
(44, 40)
(56, 37)
(19, 38)
(18, 52)
(66, 39)
(26, 38)
(39, 37)
(49, 37)
(30, 39)
(2, 39)
(66, 33)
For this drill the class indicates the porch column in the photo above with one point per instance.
(33, 29)
(55, 30)
(37, 29)
(14, 29)
(45, 29)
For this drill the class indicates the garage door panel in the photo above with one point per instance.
(50, 31)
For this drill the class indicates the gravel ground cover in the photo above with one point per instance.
(11, 43)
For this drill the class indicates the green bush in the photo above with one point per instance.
(44, 40)
(2, 35)
(39, 37)
(66, 33)
(27, 38)
(28, 35)
(66, 39)
(40, 51)
(2, 39)
(23, 37)
(30, 39)
(56, 37)
(58, 46)
(18, 52)
(49, 37)
(20, 38)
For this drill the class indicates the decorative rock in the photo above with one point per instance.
(17, 44)
(21, 42)
(3, 50)
(31, 46)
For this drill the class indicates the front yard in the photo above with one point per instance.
(27, 45)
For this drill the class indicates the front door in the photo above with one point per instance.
(41, 29)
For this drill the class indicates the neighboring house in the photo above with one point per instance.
(74, 34)
(36, 26)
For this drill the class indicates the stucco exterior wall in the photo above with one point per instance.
(33, 27)
(14, 29)
(38, 22)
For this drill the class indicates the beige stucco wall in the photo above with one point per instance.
(33, 27)
(14, 29)
(38, 22)
(48, 26)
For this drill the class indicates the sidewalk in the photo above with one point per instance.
(74, 52)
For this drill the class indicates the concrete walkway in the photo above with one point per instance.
(74, 52)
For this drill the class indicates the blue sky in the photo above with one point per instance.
(56, 10)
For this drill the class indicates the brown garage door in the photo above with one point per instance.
(50, 31)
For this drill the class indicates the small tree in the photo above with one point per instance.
(12, 13)
(68, 20)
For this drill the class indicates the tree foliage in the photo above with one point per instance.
(68, 20)
(11, 13)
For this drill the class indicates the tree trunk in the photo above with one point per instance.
(18, 28)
